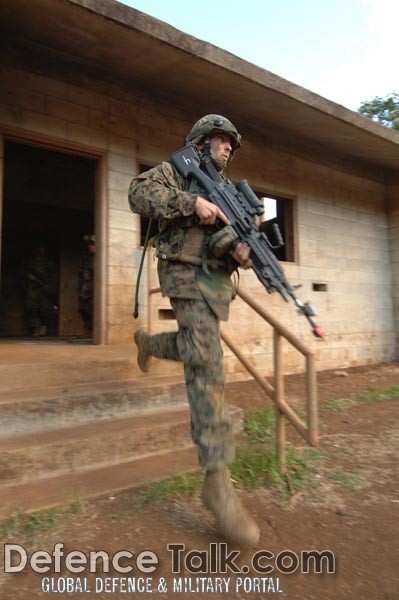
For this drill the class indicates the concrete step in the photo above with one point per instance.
(45, 493)
(82, 421)
(43, 469)
(28, 411)
(77, 448)
(36, 365)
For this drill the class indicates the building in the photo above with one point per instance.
(93, 92)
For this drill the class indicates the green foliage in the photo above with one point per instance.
(373, 394)
(369, 396)
(259, 426)
(350, 480)
(256, 463)
(42, 521)
(31, 525)
(337, 404)
(383, 110)
(183, 483)
(12, 525)
(302, 466)
(255, 466)
(76, 506)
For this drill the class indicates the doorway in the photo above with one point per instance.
(48, 226)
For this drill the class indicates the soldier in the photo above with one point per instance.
(86, 282)
(39, 277)
(195, 260)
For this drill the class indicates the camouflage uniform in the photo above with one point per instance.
(194, 266)
(86, 288)
(200, 296)
(40, 281)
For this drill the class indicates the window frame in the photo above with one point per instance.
(290, 217)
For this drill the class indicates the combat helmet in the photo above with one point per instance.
(210, 124)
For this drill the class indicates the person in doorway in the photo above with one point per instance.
(40, 281)
(196, 278)
(86, 282)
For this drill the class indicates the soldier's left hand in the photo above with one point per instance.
(241, 255)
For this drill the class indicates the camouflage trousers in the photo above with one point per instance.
(38, 305)
(197, 345)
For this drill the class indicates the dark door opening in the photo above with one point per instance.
(47, 267)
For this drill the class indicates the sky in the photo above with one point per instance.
(343, 50)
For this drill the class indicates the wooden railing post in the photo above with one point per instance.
(278, 398)
(149, 288)
(311, 401)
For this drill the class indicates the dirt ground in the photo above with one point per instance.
(351, 509)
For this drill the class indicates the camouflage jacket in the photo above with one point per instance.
(163, 194)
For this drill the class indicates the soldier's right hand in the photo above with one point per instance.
(207, 212)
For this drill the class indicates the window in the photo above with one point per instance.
(280, 211)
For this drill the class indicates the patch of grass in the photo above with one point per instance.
(255, 465)
(350, 480)
(303, 466)
(373, 394)
(76, 506)
(259, 426)
(41, 522)
(183, 483)
(30, 525)
(12, 525)
(337, 404)
(346, 451)
(369, 396)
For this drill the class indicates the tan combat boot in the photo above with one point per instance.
(218, 496)
(143, 354)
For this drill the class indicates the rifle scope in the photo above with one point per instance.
(250, 196)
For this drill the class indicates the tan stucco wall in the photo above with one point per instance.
(393, 218)
(341, 223)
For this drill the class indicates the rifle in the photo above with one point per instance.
(241, 205)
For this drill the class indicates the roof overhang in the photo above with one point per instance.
(130, 48)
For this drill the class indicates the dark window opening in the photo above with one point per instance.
(166, 314)
(319, 287)
(280, 211)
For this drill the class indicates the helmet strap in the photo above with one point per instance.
(216, 165)
(207, 148)
(208, 163)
